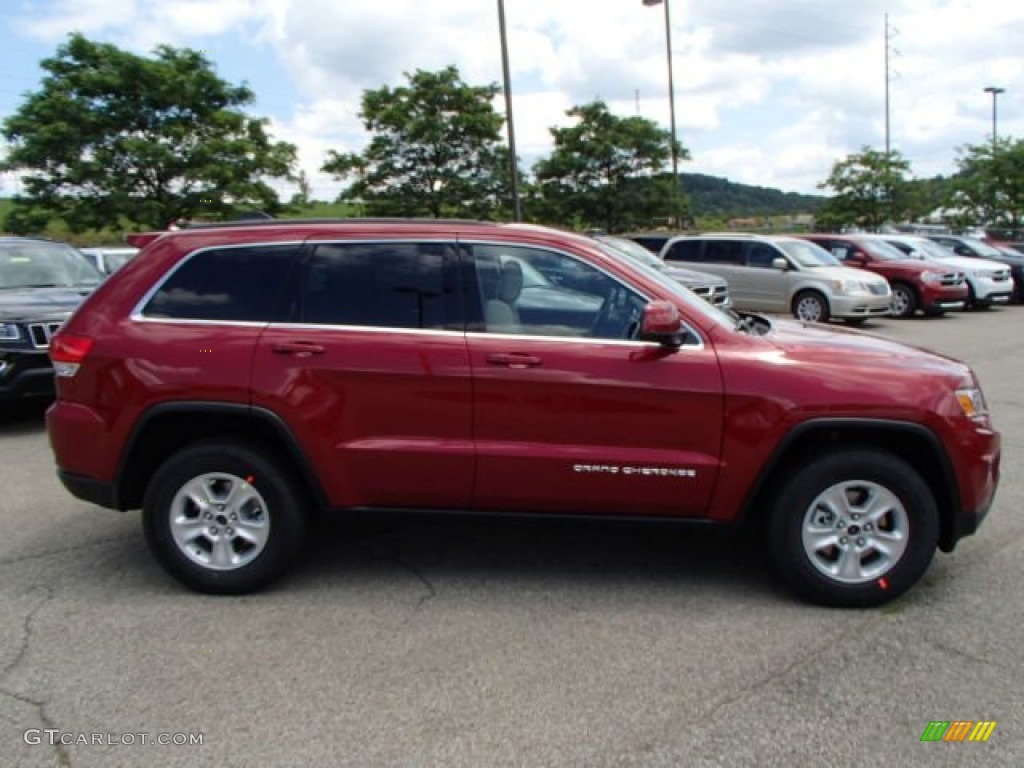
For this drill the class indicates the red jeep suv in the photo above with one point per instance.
(232, 380)
(930, 286)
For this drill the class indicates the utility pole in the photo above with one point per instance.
(514, 165)
(890, 33)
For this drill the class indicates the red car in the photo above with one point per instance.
(929, 286)
(232, 380)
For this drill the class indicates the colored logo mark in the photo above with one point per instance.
(958, 730)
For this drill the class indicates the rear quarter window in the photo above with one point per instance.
(241, 284)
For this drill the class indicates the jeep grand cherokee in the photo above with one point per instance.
(233, 379)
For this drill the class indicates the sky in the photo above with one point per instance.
(767, 92)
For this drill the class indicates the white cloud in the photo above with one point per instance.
(769, 92)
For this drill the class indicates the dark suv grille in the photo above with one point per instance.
(41, 333)
(952, 278)
(721, 295)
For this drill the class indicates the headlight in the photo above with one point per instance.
(9, 332)
(849, 286)
(931, 277)
(972, 403)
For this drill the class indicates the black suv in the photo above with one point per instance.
(41, 284)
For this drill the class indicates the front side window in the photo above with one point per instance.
(225, 284)
(807, 255)
(761, 255)
(385, 285)
(513, 295)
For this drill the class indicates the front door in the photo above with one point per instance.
(571, 412)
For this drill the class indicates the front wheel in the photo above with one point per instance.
(904, 301)
(223, 517)
(854, 528)
(811, 307)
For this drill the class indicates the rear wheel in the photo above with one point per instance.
(223, 517)
(811, 307)
(904, 300)
(855, 528)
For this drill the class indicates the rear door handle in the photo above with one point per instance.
(298, 348)
(514, 360)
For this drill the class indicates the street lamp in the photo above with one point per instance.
(995, 95)
(671, 107)
(514, 169)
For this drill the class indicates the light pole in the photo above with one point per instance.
(676, 186)
(514, 169)
(995, 96)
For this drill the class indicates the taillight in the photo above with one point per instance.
(67, 353)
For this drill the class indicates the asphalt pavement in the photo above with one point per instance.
(454, 643)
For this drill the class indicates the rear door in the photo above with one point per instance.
(571, 412)
(368, 367)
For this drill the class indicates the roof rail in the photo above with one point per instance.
(363, 220)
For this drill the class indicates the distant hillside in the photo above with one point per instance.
(714, 196)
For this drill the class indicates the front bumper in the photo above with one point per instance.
(989, 291)
(25, 375)
(870, 305)
(943, 296)
(978, 477)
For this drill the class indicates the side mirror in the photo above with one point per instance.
(661, 323)
(780, 263)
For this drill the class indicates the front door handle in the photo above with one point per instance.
(514, 360)
(298, 348)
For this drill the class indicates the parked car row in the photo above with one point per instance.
(850, 277)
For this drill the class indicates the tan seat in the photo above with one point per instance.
(500, 313)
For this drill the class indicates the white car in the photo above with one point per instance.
(109, 259)
(989, 281)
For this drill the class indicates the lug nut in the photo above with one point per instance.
(843, 540)
(230, 531)
(841, 524)
(213, 530)
(869, 527)
(860, 542)
(855, 516)
(234, 516)
(208, 516)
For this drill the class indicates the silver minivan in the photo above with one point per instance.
(769, 273)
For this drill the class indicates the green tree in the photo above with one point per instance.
(113, 137)
(870, 188)
(435, 150)
(989, 187)
(605, 171)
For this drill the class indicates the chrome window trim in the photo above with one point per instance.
(136, 313)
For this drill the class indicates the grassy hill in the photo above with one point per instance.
(713, 196)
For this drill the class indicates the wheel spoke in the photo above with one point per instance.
(187, 530)
(223, 555)
(254, 533)
(822, 538)
(848, 566)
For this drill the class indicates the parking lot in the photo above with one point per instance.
(455, 643)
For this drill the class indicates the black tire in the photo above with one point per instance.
(275, 498)
(803, 303)
(907, 297)
(792, 511)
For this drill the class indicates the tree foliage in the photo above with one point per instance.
(114, 136)
(435, 150)
(605, 171)
(989, 188)
(870, 188)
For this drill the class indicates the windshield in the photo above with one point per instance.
(807, 254)
(633, 250)
(40, 264)
(982, 248)
(928, 249)
(882, 250)
(674, 288)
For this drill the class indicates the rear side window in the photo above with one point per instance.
(228, 284)
(386, 285)
(723, 252)
(684, 250)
